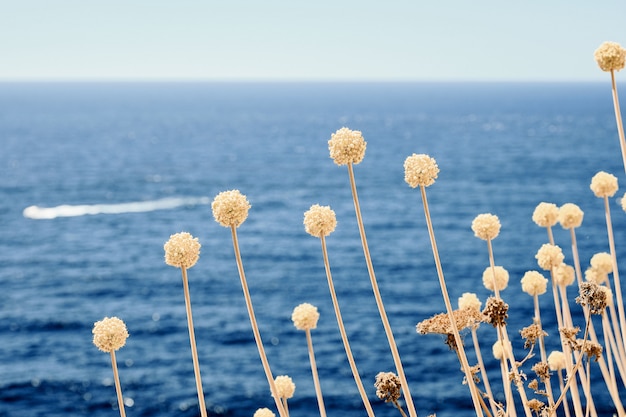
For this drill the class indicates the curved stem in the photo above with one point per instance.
(342, 330)
(316, 380)
(192, 342)
(255, 327)
(118, 386)
(379, 301)
(483, 372)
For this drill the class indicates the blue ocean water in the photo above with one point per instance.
(501, 148)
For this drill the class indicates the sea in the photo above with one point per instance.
(96, 176)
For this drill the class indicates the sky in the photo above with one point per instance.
(297, 40)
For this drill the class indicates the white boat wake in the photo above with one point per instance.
(46, 213)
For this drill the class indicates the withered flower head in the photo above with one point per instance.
(590, 295)
(591, 349)
(536, 405)
(440, 323)
(347, 146)
(388, 386)
(569, 334)
(496, 312)
(542, 369)
(531, 334)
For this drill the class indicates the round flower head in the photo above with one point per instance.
(533, 283)
(602, 262)
(230, 208)
(570, 216)
(264, 412)
(499, 274)
(347, 146)
(497, 349)
(319, 221)
(469, 300)
(564, 274)
(486, 226)
(388, 386)
(420, 170)
(622, 202)
(610, 56)
(593, 275)
(549, 256)
(604, 184)
(556, 360)
(546, 214)
(182, 250)
(305, 316)
(109, 334)
(284, 386)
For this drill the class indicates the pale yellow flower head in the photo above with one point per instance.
(469, 300)
(109, 334)
(182, 250)
(420, 170)
(546, 214)
(593, 275)
(347, 146)
(305, 316)
(610, 56)
(533, 283)
(549, 256)
(284, 386)
(498, 349)
(230, 208)
(319, 221)
(486, 226)
(499, 274)
(564, 274)
(570, 216)
(556, 360)
(622, 202)
(604, 184)
(264, 412)
(602, 262)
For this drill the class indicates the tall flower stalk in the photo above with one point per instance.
(422, 170)
(110, 334)
(230, 209)
(182, 251)
(347, 147)
(320, 221)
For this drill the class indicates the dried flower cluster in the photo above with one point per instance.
(542, 369)
(546, 214)
(347, 146)
(420, 170)
(305, 316)
(604, 184)
(109, 334)
(593, 296)
(486, 226)
(319, 221)
(591, 349)
(230, 208)
(496, 312)
(440, 323)
(610, 56)
(531, 334)
(182, 250)
(388, 386)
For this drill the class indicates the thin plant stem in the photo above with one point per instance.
(316, 380)
(399, 407)
(255, 328)
(118, 386)
(562, 387)
(284, 402)
(379, 301)
(575, 256)
(508, 394)
(618, 118)
(446, 299)
(542, 348)
(483, 372)
(618, 289)
(342, 330)
(192, 342)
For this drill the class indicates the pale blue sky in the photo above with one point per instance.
(306, 40)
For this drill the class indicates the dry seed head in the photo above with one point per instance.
(347, 146)
(109, 334)
(602, 262)
(469, 300)
(319, 221)
(305, 316)
(604, 184)
(284, 386)
(549, 256)
(542, 369)
(546, 214)
(536, 406)
(182, 250)
(610, 56)
(420, 170)
(570, 216)
(533, 283)
(440, 323)
(497, 274)
(486, 226)
(592, 349)
(593, 297)
(230, 208)
(264, 412)
(496, 312)
(564, 274)
(556, 360)
(388, 386)
(531, 334)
